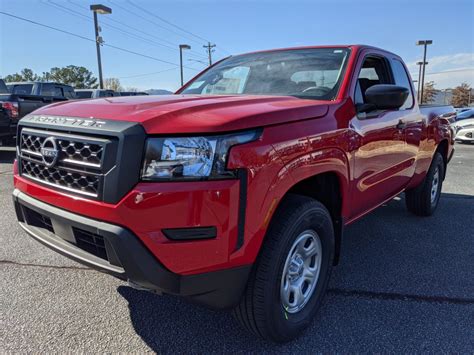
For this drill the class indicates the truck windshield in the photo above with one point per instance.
(305, 73)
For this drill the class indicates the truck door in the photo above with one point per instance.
(413, 120)
(382, 164)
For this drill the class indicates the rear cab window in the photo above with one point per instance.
(20, 89)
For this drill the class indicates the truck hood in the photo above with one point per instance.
(192, 113)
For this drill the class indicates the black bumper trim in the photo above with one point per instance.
(196, 233)
(218, 289)
(243, 178)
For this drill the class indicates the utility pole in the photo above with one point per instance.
(209, 47)
(425, 44)
(104, 10)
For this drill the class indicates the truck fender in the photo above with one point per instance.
(306, 166)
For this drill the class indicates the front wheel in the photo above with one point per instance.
(291, 275)
(424, 199)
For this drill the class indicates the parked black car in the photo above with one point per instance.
(20, 98)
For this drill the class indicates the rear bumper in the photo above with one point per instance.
(122, 254)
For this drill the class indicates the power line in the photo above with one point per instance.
(166, 21)
(91, 40)
(88, 19)
(129, 34)
(173, 45)
(153, 23)
(146, 74)
(173, 24)
(133, 28)
(445, 71)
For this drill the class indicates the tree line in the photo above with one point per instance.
(460, 95)
(76, 76)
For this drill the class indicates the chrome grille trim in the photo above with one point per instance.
(74, 149)
(59, 186)
(81, 163)
(79, 169)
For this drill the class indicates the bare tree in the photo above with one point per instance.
(112, 84)
(461, 95)
(429, 92)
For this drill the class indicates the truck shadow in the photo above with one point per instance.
(390, 250)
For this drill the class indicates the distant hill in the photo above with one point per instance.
(158, 92)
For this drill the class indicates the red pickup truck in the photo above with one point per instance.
(234, 192)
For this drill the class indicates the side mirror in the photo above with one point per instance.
(386, 97)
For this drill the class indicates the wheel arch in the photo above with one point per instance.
(325, 179)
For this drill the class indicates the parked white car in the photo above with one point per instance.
(464, 130)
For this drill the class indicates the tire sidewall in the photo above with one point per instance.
(289, 325)
(438, 162)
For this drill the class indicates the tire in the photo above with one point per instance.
(267, 308)
(424, 199)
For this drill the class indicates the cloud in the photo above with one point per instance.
(446, 62)
(447, 71)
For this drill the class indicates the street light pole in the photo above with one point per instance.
(104, 10)
(425, 44)
(419, 79)
(181, 47)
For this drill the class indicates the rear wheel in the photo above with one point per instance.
(291, 275)
(424, 199)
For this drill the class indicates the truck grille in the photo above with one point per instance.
(80, 153)
(78, 168)
(72, 181)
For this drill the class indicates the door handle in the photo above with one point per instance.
(401, 125)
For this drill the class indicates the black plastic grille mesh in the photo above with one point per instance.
(81, 182)
(92, 243)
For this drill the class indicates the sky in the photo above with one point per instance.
(154, 29)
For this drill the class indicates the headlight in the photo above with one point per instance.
(191, 158)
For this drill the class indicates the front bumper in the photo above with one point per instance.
(117, 251)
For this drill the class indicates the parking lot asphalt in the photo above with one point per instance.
(404, 284)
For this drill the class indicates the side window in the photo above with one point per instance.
(47, 90)
(69, 93)
(23, 89)
(58, 91)
(374, 71)
(402, 79)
